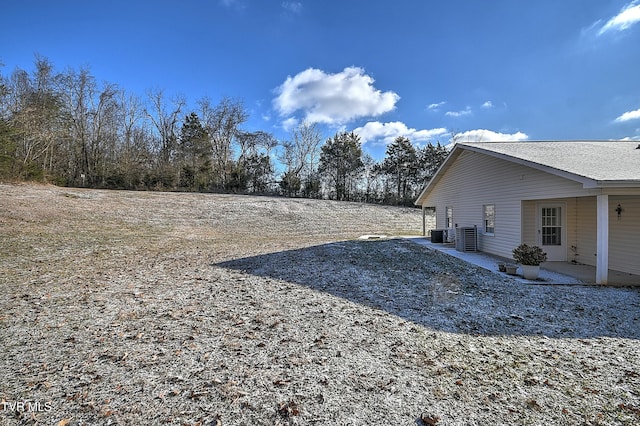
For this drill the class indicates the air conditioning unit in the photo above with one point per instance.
(438, 235)
(467, 238)
(450, 235)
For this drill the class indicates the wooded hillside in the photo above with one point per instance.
(65, 127)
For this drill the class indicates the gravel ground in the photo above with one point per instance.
(191, 309)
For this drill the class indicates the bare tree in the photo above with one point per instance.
(165, 118)
(254, 160)
(222, 123)
(35, 118)
(252, 143)
(300, 155)
(104, 132)
(132, 150)
(92, 113)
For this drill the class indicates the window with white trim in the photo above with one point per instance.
(489, 212)
(449, 221)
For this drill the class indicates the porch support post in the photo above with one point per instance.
(424, 224)
(602, 237)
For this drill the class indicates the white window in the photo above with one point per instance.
(489, 211)
(449, 222)
(552, 226)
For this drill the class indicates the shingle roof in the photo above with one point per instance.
(593, 163)
(601, 161)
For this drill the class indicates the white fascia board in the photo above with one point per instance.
(615, 184)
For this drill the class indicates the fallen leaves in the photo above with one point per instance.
(288, 409)
(533, 404)
(633, 409)
(281, 382)
(429, 419)
(293, 328)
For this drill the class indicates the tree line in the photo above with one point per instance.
(70, 130)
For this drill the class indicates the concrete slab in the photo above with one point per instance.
(490, 262)
(587, 273)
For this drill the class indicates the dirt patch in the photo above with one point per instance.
(156, 308)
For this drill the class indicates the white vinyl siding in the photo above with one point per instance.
(586, 226)
(624, 234)
(473, 178)
(531, 227)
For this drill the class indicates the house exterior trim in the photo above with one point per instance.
(598, 234)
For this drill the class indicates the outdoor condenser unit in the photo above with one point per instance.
(438, 235)
(450, 235)
(467, 238)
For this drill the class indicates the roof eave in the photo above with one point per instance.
(455, 151)
(587, 183)
(613, 184)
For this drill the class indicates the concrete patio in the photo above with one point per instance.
(550, 272)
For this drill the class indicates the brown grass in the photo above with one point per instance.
(199, 309)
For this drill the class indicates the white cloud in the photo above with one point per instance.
(375, 131)
(487, 104)
(482, 135)
(436, 106)
(229, 3)
(628, 16)
(236, 5)
(466, 111)
(294, 7)
(629, 115)
(289, 123)
(332, 98)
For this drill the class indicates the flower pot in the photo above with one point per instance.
(512, 269)
(530, 272)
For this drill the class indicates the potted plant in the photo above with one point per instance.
(530, 257)
(511, 269)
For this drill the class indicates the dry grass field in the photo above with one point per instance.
(132, 308)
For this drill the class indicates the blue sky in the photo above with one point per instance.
(484, 70)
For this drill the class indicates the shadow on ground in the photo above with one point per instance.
(444, 293)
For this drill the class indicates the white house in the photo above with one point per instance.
(578, 200)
